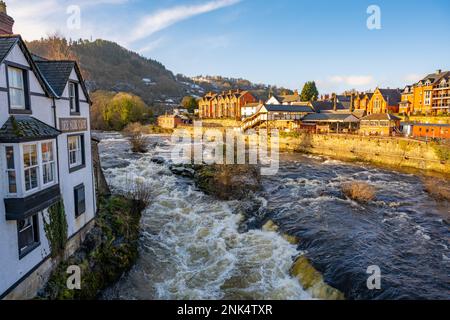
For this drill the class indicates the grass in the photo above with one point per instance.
(359, 191)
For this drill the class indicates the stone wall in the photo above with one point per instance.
(395, 152)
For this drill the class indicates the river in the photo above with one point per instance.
(194, 247)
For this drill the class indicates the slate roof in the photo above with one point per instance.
(320, 106)
(6, 44)
(381, 116)
(392, 96)
(25, 128)
(56, 73)
(287, 108)
(330, 117)
(435, 77)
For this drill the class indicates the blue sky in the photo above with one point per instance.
(283, 42)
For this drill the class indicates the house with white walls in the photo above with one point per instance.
(45, 158)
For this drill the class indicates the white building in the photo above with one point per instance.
(45, 157)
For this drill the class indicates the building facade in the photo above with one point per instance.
(227, 105)
(380, 124)
(429, 96)
(45, 157)
(384, 101)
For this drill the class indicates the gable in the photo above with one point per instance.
(17, 56)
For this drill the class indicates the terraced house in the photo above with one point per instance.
(225, 105)
(431, 95)
(45, 158)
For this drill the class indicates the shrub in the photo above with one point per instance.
(437, 188)
(138, 191)
(359, 191)
(137, 139)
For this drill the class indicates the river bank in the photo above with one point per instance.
(394, 153)
(109, 249)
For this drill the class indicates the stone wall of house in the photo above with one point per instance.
(34, 282)
(394, 152)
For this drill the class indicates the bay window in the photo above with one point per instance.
(29, 167)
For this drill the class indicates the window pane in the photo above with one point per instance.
(80, 202)
(12, 184)
(16, 88)
(10, 157)
(17, 97)
(27, 233)
(15, 78)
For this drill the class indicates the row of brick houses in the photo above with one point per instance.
(227, 104)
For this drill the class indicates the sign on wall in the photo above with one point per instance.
(73, 124)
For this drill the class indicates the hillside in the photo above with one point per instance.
(110, 67)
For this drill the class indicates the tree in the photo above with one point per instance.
(309, 92)
(111, 111)
(189, 103)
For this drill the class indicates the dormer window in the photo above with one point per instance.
(73, 98)
(17, 85)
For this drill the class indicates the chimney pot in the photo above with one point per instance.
(439, 71)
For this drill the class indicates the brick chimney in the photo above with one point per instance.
(6, 22)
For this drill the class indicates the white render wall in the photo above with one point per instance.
(12, 269)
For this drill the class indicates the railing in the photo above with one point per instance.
(253, 121)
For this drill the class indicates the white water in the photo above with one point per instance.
(190, 245)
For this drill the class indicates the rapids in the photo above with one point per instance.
(194, 247)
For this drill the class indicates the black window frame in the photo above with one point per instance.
(79, 210)
(26, 85)
(77, 99)
(37, 237)
(83, 153)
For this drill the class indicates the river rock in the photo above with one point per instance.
(158, 160)
(228, 182)
(312, 281)
(183, 171)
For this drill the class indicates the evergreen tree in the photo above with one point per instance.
(309, 92)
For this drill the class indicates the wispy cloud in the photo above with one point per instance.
(35, 19)
(354, 80)
(151, 46)
(168, 17)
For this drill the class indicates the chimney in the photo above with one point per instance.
(334, 102)
(6, 22)
(438, 71)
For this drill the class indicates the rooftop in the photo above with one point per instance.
(26, 128)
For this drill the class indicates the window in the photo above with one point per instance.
(76, 152)
(28, 232)
(73, 98)
(80, 200)
(16, 82)
(427, 98)
(48, 163)
(31, 166)
(10, 170)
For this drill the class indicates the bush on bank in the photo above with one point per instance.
(109, 250)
